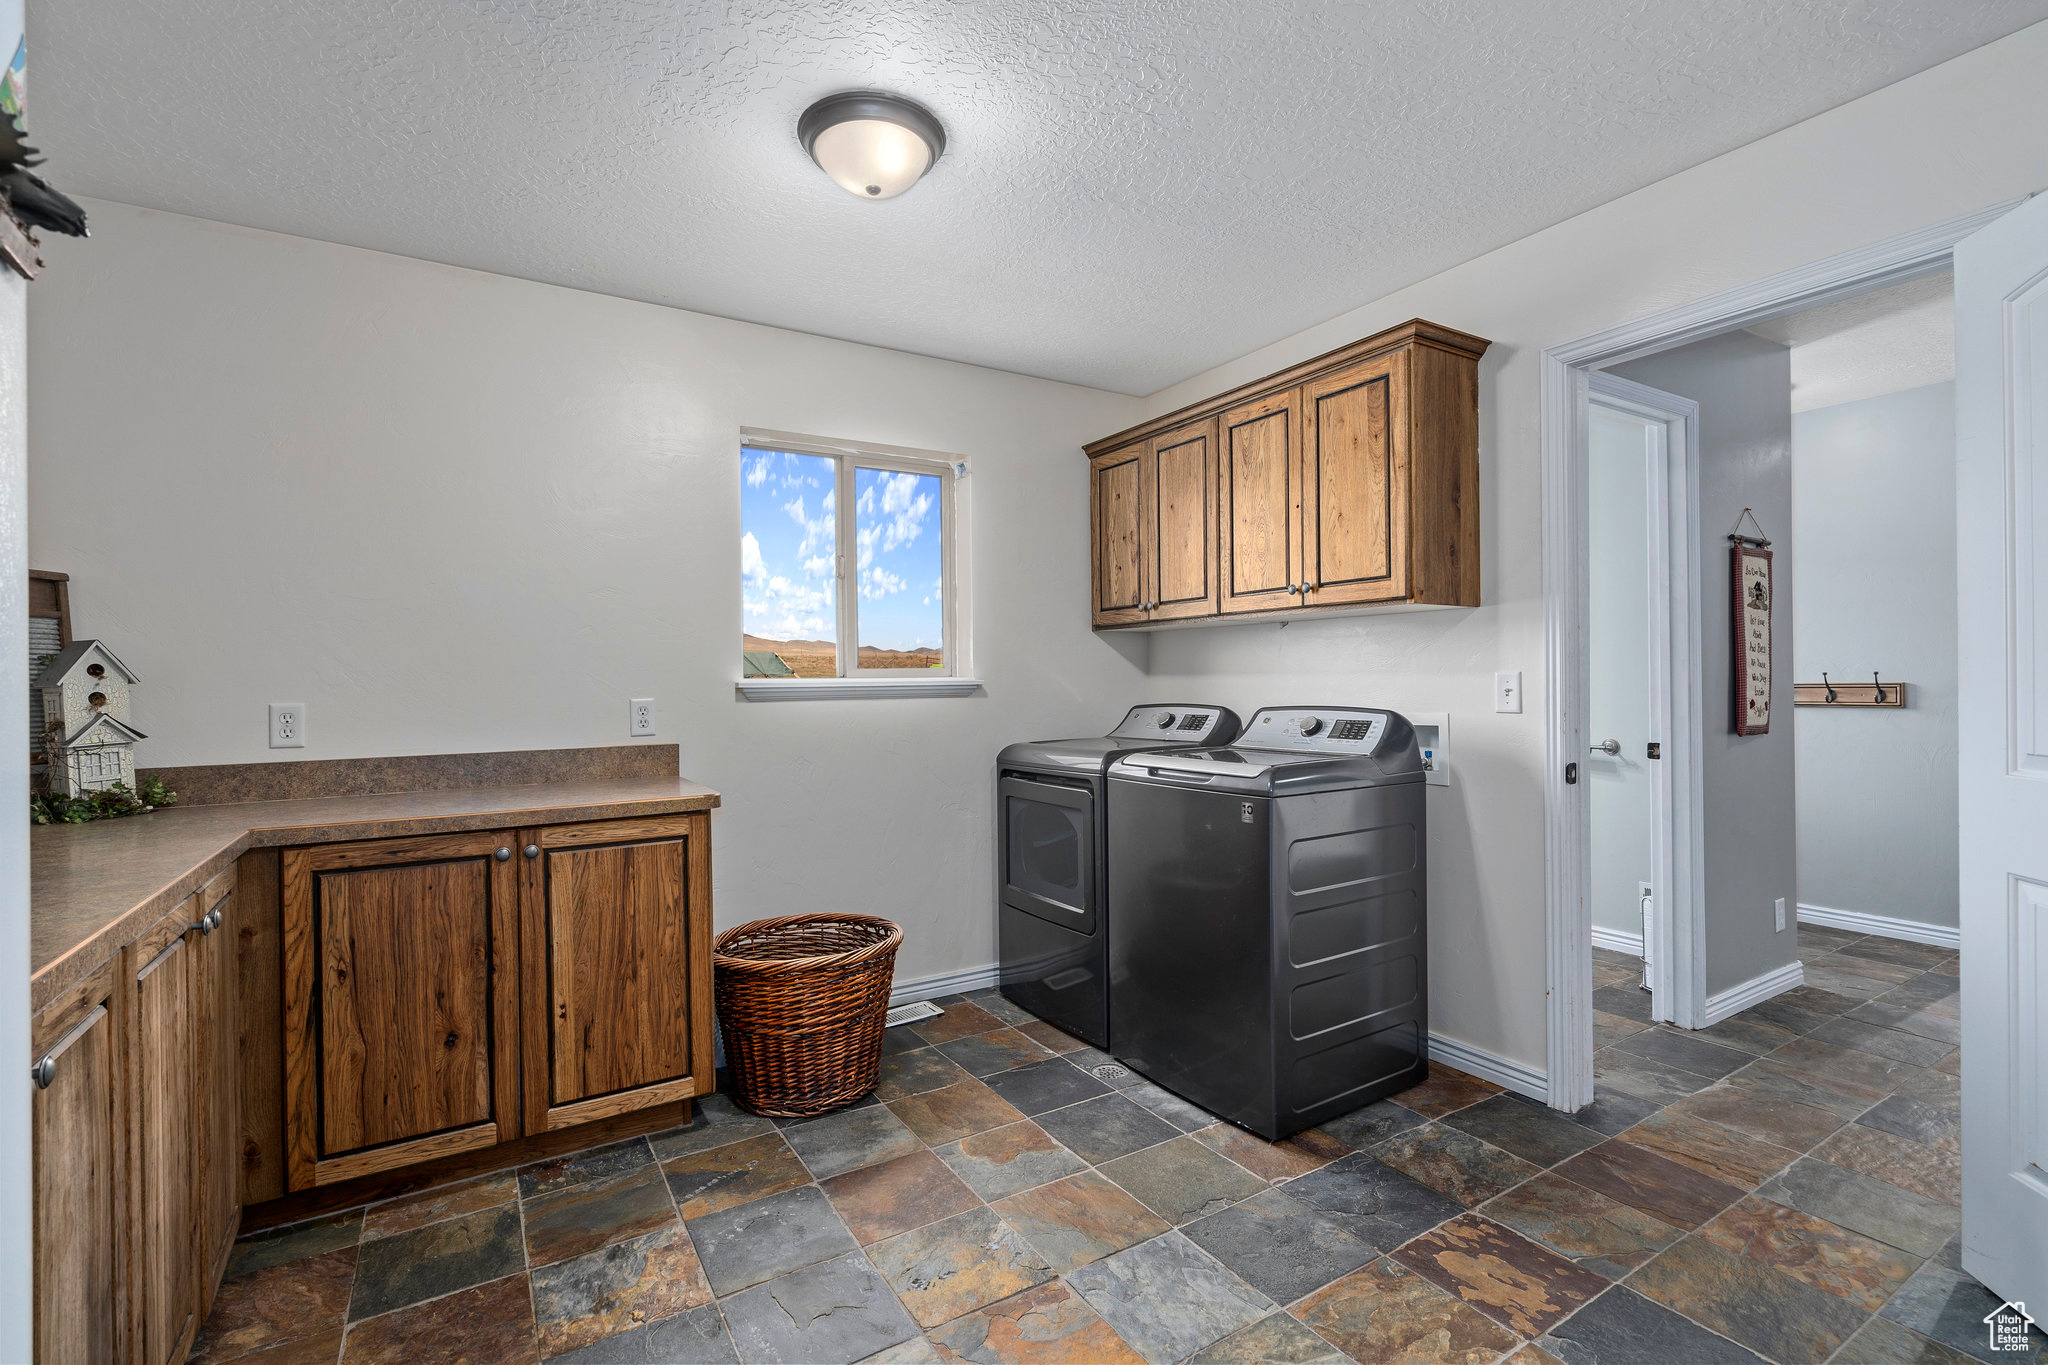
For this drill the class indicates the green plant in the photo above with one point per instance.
(50, 808)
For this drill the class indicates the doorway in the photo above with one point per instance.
(1642, 644)
(1566, 389)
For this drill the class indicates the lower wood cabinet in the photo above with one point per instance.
(452, 992)
(400, 993)
(80, 1164)
(163, 1037)
(359, 1007)
(217, 1054)
(616, 941)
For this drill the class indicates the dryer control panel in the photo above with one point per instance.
(1178, 724)
(1321, 729)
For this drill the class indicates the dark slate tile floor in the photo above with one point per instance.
(1781, 1187)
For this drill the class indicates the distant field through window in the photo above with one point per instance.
(844, 564)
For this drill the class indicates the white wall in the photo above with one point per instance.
(1619, 796)
(454, 511)
(16, 1213)
(1743, 384)
(1873, 520)
(1955, 138)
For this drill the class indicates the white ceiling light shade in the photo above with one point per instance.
(872, 144)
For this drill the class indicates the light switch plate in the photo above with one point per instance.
(640, 717)
(287, 725)
(1781, 914)
(1507, 692)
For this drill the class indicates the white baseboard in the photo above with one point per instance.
(1884, 926)
(1754, 991)
(1515, 1076)
(907, 989)
(1618, 940)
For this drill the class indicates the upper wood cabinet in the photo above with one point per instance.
(617, 1006)
(1154, 518)
(1117, 585)
(400, 1001)
(1349, 481)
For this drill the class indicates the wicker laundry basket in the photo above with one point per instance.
(801, 1001)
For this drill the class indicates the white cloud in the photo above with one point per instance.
(752, 566)
(795, 508)
(879, 582)
(905, 507)
(818, 566)
(757, 471)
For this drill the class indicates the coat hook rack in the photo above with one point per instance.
(1876, 692)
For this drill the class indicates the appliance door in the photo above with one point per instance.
(1190, 963)
(1048, 845)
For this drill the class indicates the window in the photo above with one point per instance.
(848, 568)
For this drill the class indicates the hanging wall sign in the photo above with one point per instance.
(1752, 642)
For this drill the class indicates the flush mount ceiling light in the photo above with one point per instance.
(874, 145)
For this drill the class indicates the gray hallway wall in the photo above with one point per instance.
(1743, 385)
(1873, 520)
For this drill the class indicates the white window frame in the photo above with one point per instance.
(955, 677)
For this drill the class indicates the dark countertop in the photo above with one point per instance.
(93, 887)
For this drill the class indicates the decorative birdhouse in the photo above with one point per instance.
(86, 735)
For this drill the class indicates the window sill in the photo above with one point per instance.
(843, 689)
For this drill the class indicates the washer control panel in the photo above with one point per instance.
(1180, 724)
(1323, 729)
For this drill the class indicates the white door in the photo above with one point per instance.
(2002, 658)
(1621, 448)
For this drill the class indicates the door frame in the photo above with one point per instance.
(1678, 840)
(1568, 919)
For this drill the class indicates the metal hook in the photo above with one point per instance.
(1830, 687)
(1877, 687)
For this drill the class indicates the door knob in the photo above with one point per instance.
(1610, 747)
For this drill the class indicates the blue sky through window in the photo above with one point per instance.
(788, 527)
(896, 524)
(788, 506)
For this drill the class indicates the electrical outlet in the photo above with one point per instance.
(640, 716)
(287, 725)
(1507, 692)
(1781, 914)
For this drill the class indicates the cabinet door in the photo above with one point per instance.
(1354, 485)
(617, 953)
(218, 1083)
(1117, 585)
(399, 955)
(78, 1169)
(163, 1138)
(1259, 503)
(1179, 517)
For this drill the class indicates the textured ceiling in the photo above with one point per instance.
(1876, 343)
(1133, 190)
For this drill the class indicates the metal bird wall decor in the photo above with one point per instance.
(35, 203)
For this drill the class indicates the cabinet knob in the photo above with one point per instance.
(44, 1071)
(532, 850)
(1292, 589)
(207, 922)
(502, 854)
